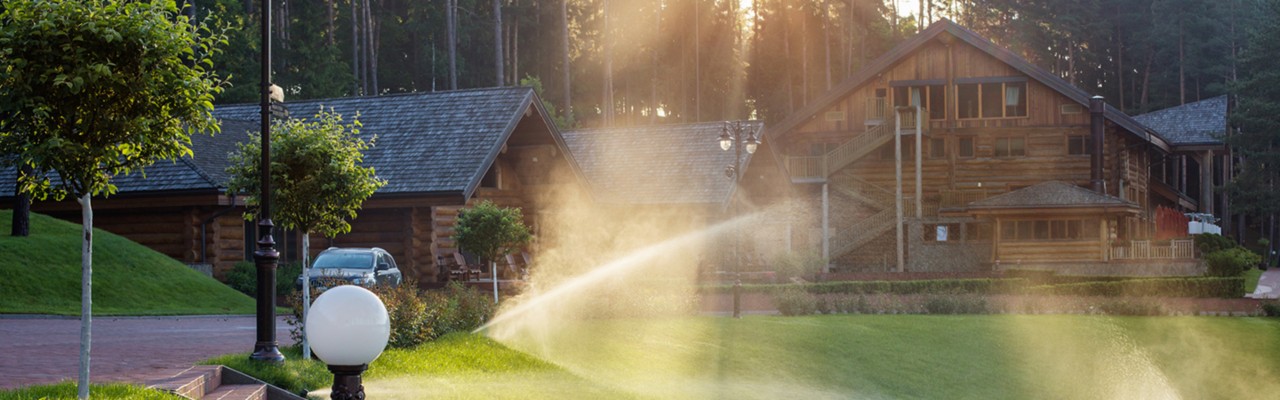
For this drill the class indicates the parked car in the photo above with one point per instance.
(353, 266)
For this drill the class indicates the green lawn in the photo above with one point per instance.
(841, 357)
(67, 390)
(40, 274)
(1251, 277)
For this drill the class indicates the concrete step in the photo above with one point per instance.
(192, 383)
(238, 392)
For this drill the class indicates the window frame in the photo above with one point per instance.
(933, 144)
(1009, 144)
(973, 146)
(1086, 141)
(1003, 84)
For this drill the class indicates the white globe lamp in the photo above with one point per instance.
(348, 328)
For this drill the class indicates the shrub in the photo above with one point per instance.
(938, 286)
(411, 318)
(956, 305)
(796, 302)
(1224, 287)
(462, 310)
(244, 278)
(1210, 242)
(1231, 262)
(1271, 308)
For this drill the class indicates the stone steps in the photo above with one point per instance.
(216, 382)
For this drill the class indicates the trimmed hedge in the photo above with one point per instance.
(1223, 287)
(939, 286)
(1202, 287)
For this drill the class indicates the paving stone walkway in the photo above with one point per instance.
(1268, 285)
(42, 350)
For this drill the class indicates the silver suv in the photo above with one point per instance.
(355, 266)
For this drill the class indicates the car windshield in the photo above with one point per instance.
(345, 260)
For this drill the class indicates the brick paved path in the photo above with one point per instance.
(42, 350)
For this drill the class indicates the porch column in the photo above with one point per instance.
(1206, 182)
(826, 229)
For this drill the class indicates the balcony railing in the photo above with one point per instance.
(807, 167)
(909, 120)
(961, 198)
(1146, 250)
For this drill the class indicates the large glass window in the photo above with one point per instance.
(932, 97)
(991, 100)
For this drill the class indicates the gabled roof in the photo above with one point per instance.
(1200, 123)
(656, 164)
(205, 171)
(437, 143)
(1050, 194)
(906, 48)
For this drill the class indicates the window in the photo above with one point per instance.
(977, 231)
(964, 147)
(967, 101)
(991, 100)
(1011, 147)
(942, 232)
(932, 97)
(938, 148)
(1049, 230)
(1079, 145)
(937, 101)
(1015, 99)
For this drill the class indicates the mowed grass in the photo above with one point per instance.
(844, 357)
(40, 274)
(455, 366)
(67, 390)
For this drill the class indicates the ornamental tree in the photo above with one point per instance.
(317, 179)
(489, 231)
(92, 89)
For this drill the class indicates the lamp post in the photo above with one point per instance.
(266, 257)
(739, 132)
(348, 328)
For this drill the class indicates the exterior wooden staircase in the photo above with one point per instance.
(849, 236)
(216, 382)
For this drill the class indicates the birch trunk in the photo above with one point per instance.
(306, 291)
(86, 293)
(493, 273)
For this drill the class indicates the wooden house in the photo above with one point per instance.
(439, 152)
(951, 153)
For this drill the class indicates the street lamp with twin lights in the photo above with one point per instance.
(742, 133)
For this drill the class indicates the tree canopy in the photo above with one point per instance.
(490, 231)
(316, 173)
(94, 89)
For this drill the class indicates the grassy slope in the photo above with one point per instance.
(67, 390)
(1251, 277)
(41, 274)
(840, 357)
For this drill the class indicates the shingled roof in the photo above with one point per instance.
(1050, 194)
(205, 171)
(437, 143)
(656, 164)
(1200, 123)
(909, 46)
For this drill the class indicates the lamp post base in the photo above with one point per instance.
(346, 382)
(268, 352)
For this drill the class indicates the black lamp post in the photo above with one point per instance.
(266, 257)
(742, 133)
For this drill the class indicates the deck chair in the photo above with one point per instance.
(449, 269)
(469, 271)
(515, 269)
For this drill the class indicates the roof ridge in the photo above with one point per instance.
(389, 95)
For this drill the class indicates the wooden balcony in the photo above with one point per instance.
(876, 109)
(962, 198)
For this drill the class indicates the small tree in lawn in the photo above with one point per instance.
(489, 231)
(317, 176)
(92, 89)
